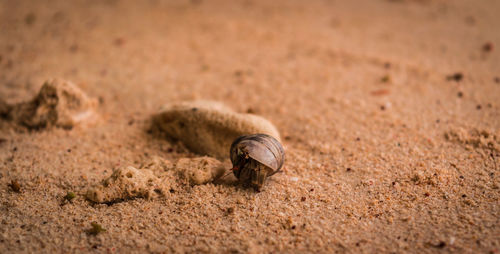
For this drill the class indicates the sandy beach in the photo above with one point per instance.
(388, 110)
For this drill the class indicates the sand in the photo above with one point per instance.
(207, 127)
(388, 110)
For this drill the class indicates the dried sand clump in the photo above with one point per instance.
(126, 183)
(207, 127)
(155, 179)
(475, 138)
(200, 170)
(59, 103)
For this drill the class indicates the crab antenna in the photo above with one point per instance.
(223, 176)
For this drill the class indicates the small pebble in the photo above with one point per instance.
(95, 229)
(385, 79)
(380, 92)
(119, 42)
(455, 77)
(488, 47)
(470, 20)
(73, 48)
(15, 186)
(441, 245)
(30, 19)
(251, 111)
(70, 196)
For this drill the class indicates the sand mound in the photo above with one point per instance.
(126, 183)
(474, 138)
(155, 179)
(59, 103)
(207, 127)
(199, 170)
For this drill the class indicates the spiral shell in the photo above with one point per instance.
(256, 157)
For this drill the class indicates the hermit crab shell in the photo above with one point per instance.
(261, 147)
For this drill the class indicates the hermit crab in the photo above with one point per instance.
(256, 157)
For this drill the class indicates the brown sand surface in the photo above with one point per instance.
(384, 152)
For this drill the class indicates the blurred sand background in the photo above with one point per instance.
(385, 151)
